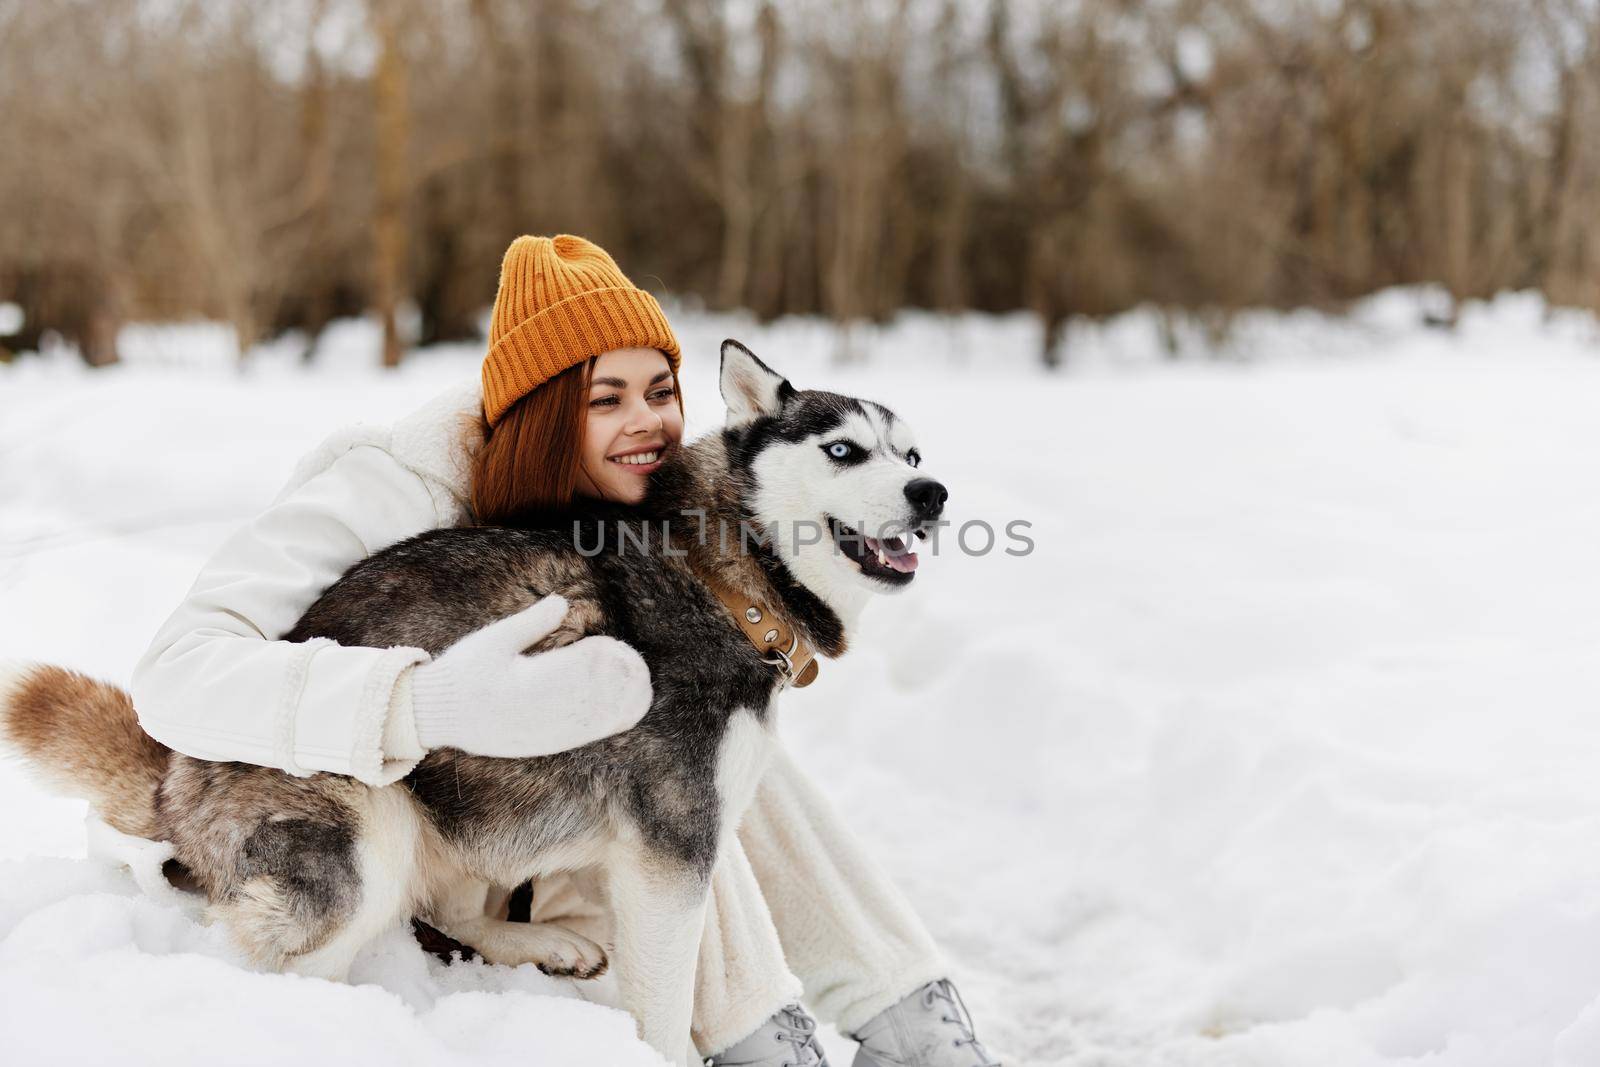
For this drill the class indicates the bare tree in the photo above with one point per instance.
(275, 166)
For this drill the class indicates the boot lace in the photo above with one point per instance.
(962, 1019)
(800, 1031)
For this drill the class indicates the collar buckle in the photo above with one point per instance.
(784, 661)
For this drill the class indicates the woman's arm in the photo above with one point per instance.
(217, 685)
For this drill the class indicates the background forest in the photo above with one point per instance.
(275, 166)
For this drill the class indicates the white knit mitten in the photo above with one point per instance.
(483, 696)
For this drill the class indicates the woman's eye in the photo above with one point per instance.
(661, 394)
(603, 402)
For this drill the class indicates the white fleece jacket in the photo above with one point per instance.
(216, 684)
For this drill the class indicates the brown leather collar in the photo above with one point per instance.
(777, 642)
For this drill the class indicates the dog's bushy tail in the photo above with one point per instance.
(81, 737)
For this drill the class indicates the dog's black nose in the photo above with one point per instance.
(927, 496)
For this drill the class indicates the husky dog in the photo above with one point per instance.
(304, 871)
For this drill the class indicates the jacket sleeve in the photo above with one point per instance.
(216, 684)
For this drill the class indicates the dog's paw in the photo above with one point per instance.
(574, 957)
(554, 949)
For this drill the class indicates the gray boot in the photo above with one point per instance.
(929, 1028)
(788, 1039)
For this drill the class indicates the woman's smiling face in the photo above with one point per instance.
(633, 420)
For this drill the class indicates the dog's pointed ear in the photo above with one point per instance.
(750, 388)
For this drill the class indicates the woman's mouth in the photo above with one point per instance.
(640, 462)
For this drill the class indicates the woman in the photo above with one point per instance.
(579, 396)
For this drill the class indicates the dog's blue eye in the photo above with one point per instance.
(846, 453)
(914, 457)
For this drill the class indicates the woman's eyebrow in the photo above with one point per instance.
(620, 384)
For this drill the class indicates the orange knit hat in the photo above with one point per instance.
(562, 300)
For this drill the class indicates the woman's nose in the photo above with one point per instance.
(641, 419)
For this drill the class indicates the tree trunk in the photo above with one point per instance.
(393, 180)
(1055, 324)
(100, 333)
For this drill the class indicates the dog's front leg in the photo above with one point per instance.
(660, 906)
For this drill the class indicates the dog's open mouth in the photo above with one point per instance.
(889, 559)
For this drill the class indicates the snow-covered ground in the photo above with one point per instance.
(1279, 749)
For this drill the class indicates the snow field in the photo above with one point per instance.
(1278, 749)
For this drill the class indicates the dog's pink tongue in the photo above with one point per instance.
(905, 562)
